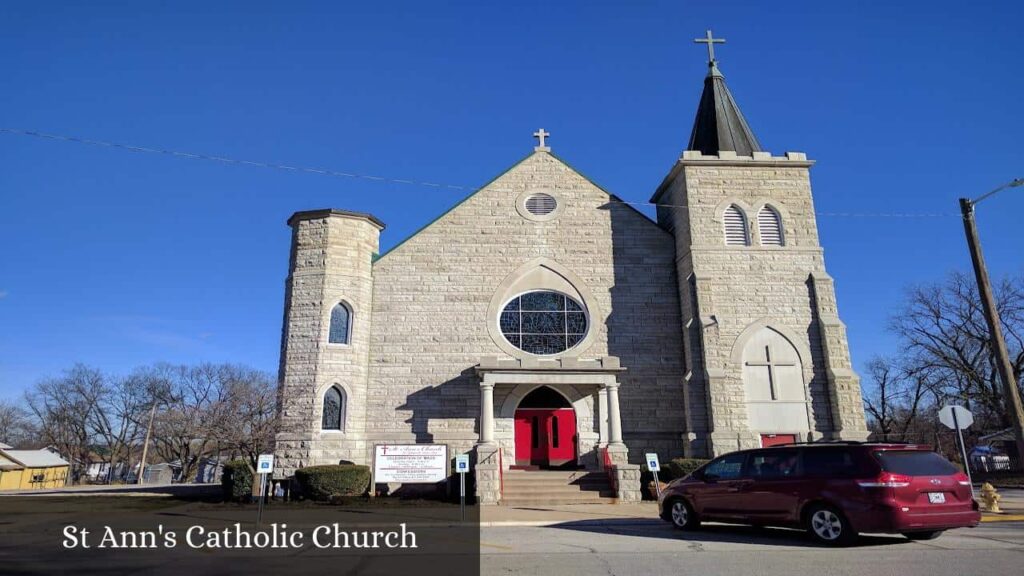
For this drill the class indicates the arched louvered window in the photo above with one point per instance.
(334, 409)
(735, 227)
(341, 324)
(769, 225)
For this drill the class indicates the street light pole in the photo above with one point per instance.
(1014, 410)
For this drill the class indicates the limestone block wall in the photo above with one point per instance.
(726, 289)
(331, 262)
(432, 293)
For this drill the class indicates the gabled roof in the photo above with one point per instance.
(719, 124)
(35, 458)
(5, 446)
(611, 197)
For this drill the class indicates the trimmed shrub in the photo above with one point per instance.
(324, 483)
(679, 467)
(236, 480)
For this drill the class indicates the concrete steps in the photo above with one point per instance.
(524, 488)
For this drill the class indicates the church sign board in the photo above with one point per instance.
(410, 463)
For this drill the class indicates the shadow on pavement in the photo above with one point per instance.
(184, 491)
(730, 533)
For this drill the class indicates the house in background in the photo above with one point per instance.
(31, 469)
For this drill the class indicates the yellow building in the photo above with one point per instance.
(31, 469)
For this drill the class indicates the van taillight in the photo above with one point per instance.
(886, 480)
(962, 479)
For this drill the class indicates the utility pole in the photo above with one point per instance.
(145, 443)
(1014, 410)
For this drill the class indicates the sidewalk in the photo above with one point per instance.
(646, 513)
(1011, 504)
(605, 514)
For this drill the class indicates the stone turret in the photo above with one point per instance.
(331, 265)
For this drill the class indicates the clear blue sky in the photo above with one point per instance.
(116, 258)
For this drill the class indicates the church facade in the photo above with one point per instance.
(542, 322)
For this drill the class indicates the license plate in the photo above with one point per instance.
(936, 498)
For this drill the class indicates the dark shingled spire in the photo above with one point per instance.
(720, 124)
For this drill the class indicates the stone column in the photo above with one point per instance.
(614, 418)
(487, 413)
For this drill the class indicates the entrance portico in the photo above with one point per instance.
(590, 387)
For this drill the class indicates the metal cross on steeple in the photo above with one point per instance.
(710, 41)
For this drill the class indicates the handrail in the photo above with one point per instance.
(501, 475)
(609, 468)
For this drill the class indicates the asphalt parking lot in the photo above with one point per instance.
(645, 547)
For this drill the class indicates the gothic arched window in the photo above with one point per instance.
(334, 409)
(769, 225)
(341, 324)
(736, 233)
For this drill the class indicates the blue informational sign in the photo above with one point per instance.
(462, 463)
(652, 462)
(265, 464)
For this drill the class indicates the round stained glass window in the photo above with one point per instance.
(543, 322)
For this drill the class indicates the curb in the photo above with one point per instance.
(578, 522)
(1002, 517)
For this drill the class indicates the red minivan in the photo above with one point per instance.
(834, 490)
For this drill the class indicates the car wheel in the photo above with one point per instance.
(681, 515)
(929, 535)
(828, 526)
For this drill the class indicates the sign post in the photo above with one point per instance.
(462, 467)
(958, 418)
(264, 467)
(654, 466)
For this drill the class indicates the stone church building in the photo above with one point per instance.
(544, 323)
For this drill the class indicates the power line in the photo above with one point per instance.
(225, 160)
(339, 174)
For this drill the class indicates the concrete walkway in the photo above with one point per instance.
(603, 514)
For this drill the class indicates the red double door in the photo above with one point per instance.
(777, 439)
(545, 436)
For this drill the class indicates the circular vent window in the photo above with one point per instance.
(540, 204)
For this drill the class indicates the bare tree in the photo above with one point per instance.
(946, 342)
(115, 420)
(15, 425)
(250, 421)
(883, 400)
(186, 425)
(896, 398)
(61, 412)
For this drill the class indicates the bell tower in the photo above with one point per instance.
(767, 356)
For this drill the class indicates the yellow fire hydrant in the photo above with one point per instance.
(990, 498)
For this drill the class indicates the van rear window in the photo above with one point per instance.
(915, 463)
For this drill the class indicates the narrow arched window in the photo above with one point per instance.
(341, 324)
(769, 225)
(736, 233)
(334, 409)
